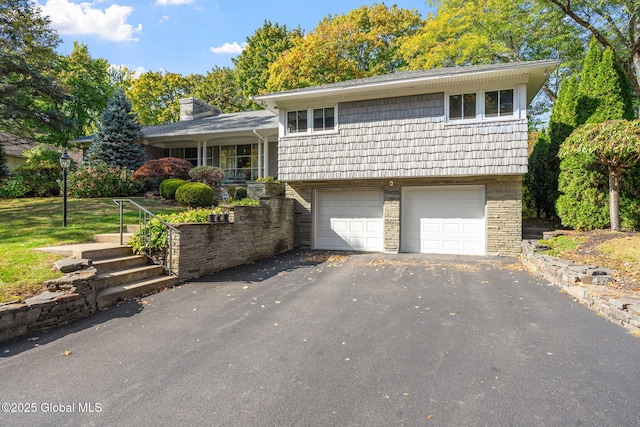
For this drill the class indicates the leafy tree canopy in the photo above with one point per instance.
(88, 82)
(614, 23)
(155, 96)
(362, 43)
(30, 100)
(219, 88)
(263, 48)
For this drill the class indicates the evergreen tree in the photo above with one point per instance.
(587, 97)
(544, 166)
(612, 91)
(603, 94)
(118, 131)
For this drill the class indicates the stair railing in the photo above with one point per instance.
(144, 216)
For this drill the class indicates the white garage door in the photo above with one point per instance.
(443, 220)
(349, 219)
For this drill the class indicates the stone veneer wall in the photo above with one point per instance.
(255, 233)
(503, 208)
(69, 298)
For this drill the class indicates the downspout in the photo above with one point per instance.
(260, 159)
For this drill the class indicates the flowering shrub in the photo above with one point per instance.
(101, 180)
(13, 187)
(195, 194)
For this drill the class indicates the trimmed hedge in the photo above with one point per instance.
(169, 186)
(195, 194)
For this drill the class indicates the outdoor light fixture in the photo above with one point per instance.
(65, 163)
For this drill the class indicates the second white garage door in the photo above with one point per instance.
(350, 219)
(443, 220)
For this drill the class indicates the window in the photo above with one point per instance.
(297, 121)
(312, 120)
(498, 103)
(239, 162)
(462, 106)
(489, 104)
(323, 119)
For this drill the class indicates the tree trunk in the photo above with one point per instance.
(614, 202)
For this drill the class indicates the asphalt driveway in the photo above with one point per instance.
(317, 339)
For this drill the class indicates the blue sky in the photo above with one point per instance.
(182, 36)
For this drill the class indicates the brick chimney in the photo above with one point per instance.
(192, 108)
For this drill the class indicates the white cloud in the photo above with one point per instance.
(173, 2)
(164, 19)
(228, 48)
(83, 18)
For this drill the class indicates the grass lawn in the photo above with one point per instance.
(26, 224)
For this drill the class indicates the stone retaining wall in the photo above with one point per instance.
(585, 284)
(68, 298)
(254, 233)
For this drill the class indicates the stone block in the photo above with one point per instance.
(69, 265)
(43, 297)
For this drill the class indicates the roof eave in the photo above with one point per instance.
(539, 70)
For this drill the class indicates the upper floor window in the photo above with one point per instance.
(462, 106)
(468, 106)
(297, 121)
(312, 120)
(498, 103)
(323, 119)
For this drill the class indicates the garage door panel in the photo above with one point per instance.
(349, 219)
(446, 219)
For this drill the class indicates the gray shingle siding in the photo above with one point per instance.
(404, 137)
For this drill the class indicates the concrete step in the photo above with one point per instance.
(111, 295)
(109, 250)
(112, 238)
(92, 251)
(120, 263)
(132, 228)
(122, 277)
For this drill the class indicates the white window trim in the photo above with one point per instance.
(310, 131)
(519, 111)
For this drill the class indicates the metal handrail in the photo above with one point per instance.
(144, 216)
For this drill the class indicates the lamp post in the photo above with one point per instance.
(65, 163)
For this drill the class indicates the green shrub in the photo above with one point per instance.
(13, 187)
(41, 172)
(268, 179)
(157, 232)
(210, 175)
(245, 202)
(241, 193)
(101, 180)
(194, 194)
(169, 186)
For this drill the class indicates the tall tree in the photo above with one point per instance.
(30, 100)
(89, 85)
(155, 96)
(474, 32)
(263, 48)
(615, 145)
(219, 88)
(362, 43)
(116, 142)
(614, 23)
(583, 180)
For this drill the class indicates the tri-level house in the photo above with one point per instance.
(421, 161)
